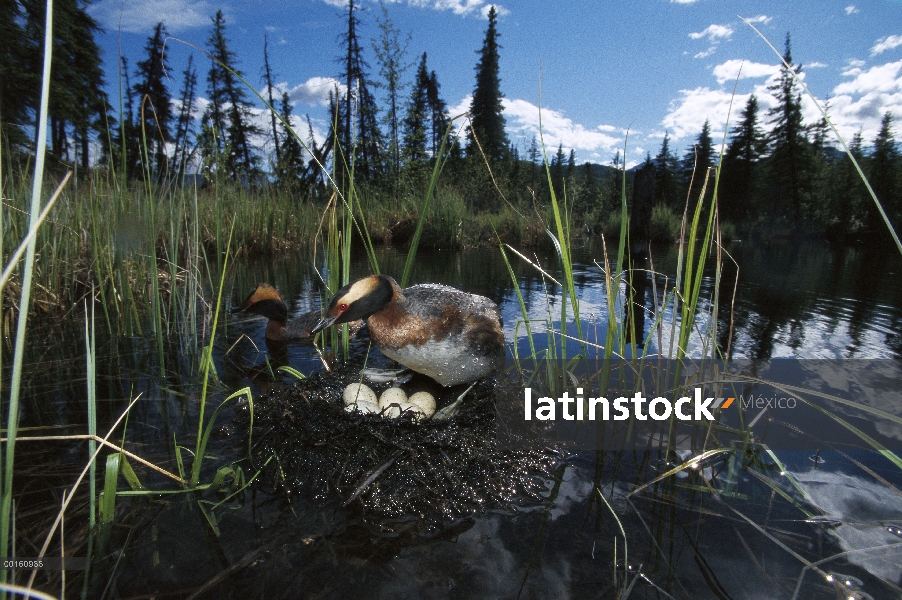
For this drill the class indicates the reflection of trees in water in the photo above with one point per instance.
(806, 294)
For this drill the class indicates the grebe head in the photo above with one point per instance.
(359, 300)
(265, 301)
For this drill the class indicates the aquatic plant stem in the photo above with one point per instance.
(12, 422)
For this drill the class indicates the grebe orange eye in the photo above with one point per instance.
(342, 307)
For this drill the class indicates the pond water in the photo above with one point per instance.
(728, 529)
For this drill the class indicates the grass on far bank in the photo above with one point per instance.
(126, 241)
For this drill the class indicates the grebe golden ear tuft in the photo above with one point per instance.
(358, 300)
(265, 301)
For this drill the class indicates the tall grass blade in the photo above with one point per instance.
(430, 193)
(207, 361)
(12, 422)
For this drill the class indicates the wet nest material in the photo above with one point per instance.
(396, 467)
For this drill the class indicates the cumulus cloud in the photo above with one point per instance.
(860, 103)
(886, 43)
(815, 65)
(713, 32)
(760, 19)
(856, 104)
(523, 118)
(851, 10)
(596, 144)
(314, 91)
(141, 17)
(733, 68)
(688, 113)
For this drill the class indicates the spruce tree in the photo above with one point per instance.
(229, 110)
(128, 139)
(698, 159)
(391, 53)
(849, 201)
(666, 176)
(359, 131)
(438, 112)
(154, 101)
(78, 103)
(415, 122)
(883, 173)
(486, 110)
(17, 82)
(290, 166)
(820, 161)
(740, 164)
(789, 153)
(267, 80)
(184, 126)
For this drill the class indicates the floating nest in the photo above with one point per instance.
(394, 468)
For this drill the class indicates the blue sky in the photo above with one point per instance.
(648, 66)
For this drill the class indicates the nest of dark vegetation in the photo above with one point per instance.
(393, 468)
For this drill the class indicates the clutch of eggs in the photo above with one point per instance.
(393, 402)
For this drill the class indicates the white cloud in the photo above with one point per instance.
(591, 144)
(314, 91)
(713, 32)
(729, 70)
(760, 19)
(140, 17)
(815, 65)
(458, 7)
(886, 43)
(523, 119)
(882, 78)
(688, 113)
(683, 1)
(851, 10)
(857, 104)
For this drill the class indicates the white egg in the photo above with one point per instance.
(394, 410)
(425, 401)
(363, 407)
(391, 396)
(358, 392)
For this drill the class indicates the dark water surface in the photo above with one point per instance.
(751, 538)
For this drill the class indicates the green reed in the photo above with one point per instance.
(12, 421)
